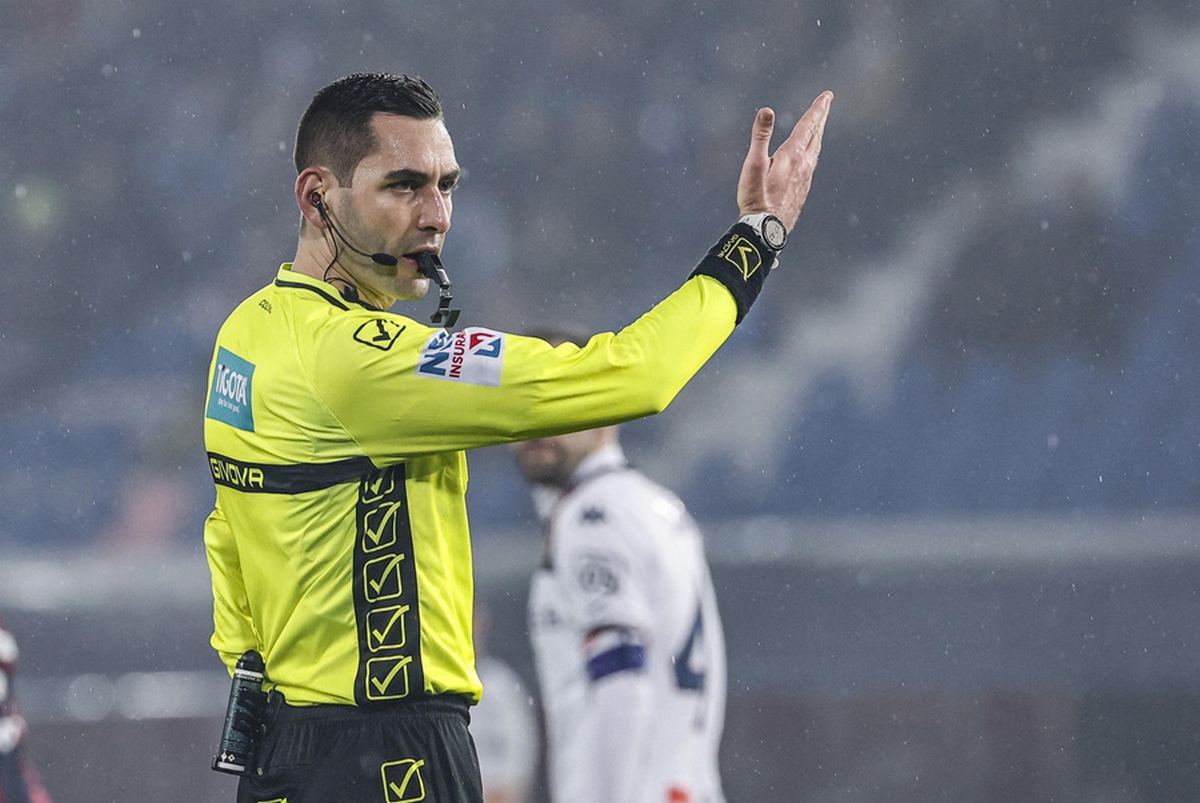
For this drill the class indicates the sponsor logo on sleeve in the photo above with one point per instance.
(474, 356)
(231, 392)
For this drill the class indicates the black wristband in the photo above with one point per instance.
(741, 261)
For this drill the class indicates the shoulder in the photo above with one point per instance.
(633, 494)
(622, 509)
(349, 335)
(298, 303)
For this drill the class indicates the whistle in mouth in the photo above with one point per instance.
(430, 266)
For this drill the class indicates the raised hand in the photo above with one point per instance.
(779, 183)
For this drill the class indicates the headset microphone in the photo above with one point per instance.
(386, 260)
(428, 265)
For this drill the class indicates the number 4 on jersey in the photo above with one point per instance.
(689, 661)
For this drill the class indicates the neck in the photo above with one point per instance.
(320, 262)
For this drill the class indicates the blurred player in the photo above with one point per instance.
(626, 634)
(503, 724)
(19, 781)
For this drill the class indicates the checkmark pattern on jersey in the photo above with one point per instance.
(385, 592)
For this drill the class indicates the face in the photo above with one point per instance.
(552, 461)
(398, 203)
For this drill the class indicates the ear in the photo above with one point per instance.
(311, 186)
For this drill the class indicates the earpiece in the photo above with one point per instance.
(428, 265)
(386, 260)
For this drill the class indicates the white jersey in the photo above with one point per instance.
(628, 644)
(504, 728)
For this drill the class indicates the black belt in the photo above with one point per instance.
(280, 711)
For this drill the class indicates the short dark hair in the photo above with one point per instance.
(335, 130)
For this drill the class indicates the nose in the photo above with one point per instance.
(435, 210)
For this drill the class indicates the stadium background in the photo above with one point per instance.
(948, 468)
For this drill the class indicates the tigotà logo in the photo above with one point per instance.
(231, 394)
(231, 385)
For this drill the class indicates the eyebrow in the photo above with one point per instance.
(419, 176)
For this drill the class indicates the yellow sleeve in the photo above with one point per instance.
(233, 628)
(400, 403)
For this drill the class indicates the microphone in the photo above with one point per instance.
(428, 265)
(387, 260)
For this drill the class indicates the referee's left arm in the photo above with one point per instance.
(412, 400)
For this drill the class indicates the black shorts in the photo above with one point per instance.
(415, 751)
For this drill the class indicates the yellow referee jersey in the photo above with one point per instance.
(338, 544)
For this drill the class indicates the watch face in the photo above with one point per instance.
(774, 232)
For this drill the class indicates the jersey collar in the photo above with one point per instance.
(604, 460)
(286, 277)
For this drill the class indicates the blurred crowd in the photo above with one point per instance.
(1001, 237)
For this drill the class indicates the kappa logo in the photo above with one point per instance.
(474, 356)
(402, 781)
(592, 515)
(379, 333)
(742, 254)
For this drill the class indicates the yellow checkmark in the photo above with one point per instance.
(378, 576)
(382, 685)
(380, 524)
(398, 791)
(379, 635)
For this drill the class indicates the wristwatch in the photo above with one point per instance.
(769, 228)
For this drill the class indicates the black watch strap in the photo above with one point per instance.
(741, 261)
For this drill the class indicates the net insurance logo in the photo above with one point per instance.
(229, 396)
(473, 356)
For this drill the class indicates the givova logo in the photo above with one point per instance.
(474, 356)
(231, 392)
(742, 254)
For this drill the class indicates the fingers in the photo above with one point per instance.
(760, 134)
(780, 183)
(807, 133)
(811, 126)
(758, 159)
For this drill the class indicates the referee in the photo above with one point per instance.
(336, 433)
